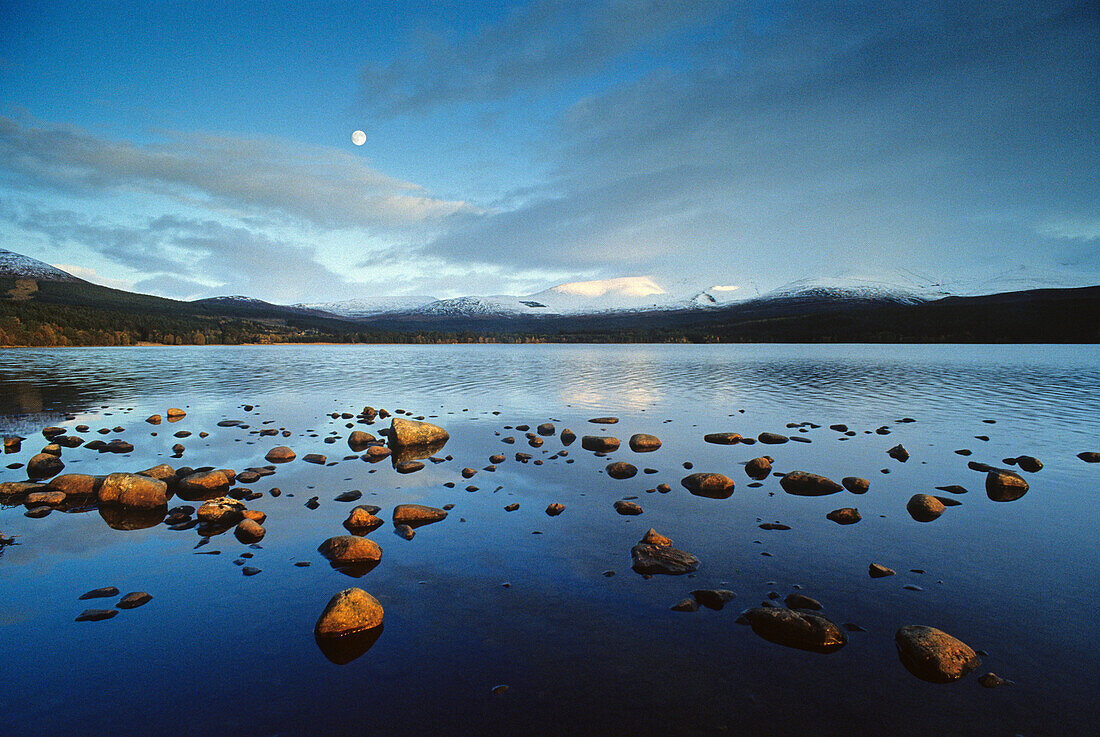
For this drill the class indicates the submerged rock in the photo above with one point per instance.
(96, 615)
(1031, 464)
(134, 599)
(713, 598)
(772, 438)
(1089, 456)
(800, 630)
(933, 655)
(359, 440)
(100, 593)
(722, 438)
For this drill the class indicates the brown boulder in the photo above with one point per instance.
(621, 470)
(600, 443)
(280, 454)
(202, 485)
(350, 550)
(924, 508)
(360, 521)
(1004, 486)
(844, 516)
(412, 432)
(76, 484)
(359, 440)
(134, 491)
(416, 515)
(855, 484)
(249, 531)
(644, 443)
(665, 559)
(759, 468)
(800, 630)
(801, 483)
(348, 612)
(223, 512)
(722, 438)
(709, 485)
(43, 466)
(933, 655)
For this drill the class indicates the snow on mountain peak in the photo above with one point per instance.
(627, 286)
(20, 266)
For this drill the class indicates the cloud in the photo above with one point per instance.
(87, 274)
(269, 176)
(166, 285)
(533, 46)
(795, 144)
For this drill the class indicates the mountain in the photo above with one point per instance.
(368, 306)
(18, 266)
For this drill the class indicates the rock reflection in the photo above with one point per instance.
(132, 518)
(346, 648)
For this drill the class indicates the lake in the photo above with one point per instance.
(549, 606)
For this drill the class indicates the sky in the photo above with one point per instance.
(189, 150)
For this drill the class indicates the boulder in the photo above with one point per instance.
(76, 484)
(844, 516)
(644, 443)
(348, 612)
(376, 453)
(621, 470)
(933, 655)
(133, 491)
(43, 466)
(876, 570)
(568, 436)
(175, 413)
(546, 429)
(1004, 486)
(604, 420)
(202, 485)
(801, 483)
(772, 438)
(280, 454)
(359, 440)
(924, 508)
(404, 433)
(164, 473)
(799, 630)
(350, 550)
(134, 599)
(759, 468)
(416, 515)
(223, 512)
(1031, 464)
(1089, 456)
(898, 453)
(652, 537)
(650, 559)
(722, 438)
(599, 443)
(361, 520)
(709, 485)
(801, 601)
(712, 598)
(627, 508)
(555, 509)
(249, 531)
(44, 499)
(855, 484)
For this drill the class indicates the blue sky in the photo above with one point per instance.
(188, 150)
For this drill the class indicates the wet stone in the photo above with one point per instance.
(96, 615)
(100, 593)
(134, 599)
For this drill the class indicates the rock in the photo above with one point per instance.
(876, 570)
(709, 485)
(101, 593)
(251, 570)
(627, 508)
(801, 483)
(359, 440)
(1004, 486)
(153, 419)
(924, 508)
(164, 473)
(621, 470)
(408, 466)
(223, 512)
(37, 512)
(416, 515)
(376, 453)
(773, 526)
(1089, 456)
(350, 550)
(1031, 464)
(992, 680)
(255, 515)
(133, 490)
(117, 446)
(933, 655)
(980, 467)
(249, 531)
(759, 468)
(568, 436)
(52, 432)
(280, 454)
(404, 433)
(545, 429)
(855, 484)
(361, 520)
(76, 484)
(133, 600)
(349, 496)
(604, 420)
(801, 601)
(11, 492)
(44, 466)
(652, 537)
(202, 485)
(713, 598)
(95, 615)
(650, 559)
(600, 443)
(45, 499)
(555, 509)
(844, 516)
(511, 507)
(800, 630)
(643, 443)
(686, 605)
(898, 453)
(772, 438)
(349, 611)
(953, 488)
(317, 458)
(175, 413)
(404, 531)
(722, 438)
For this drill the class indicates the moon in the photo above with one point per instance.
(358, 138)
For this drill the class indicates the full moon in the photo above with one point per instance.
(358, 138)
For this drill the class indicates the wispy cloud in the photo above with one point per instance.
(267, 176)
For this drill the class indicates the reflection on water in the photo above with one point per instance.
(499, 594)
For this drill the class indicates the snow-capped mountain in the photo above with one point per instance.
(902, 287)
(369, 306)
(24, 267)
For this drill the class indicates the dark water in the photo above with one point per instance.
(582, 653)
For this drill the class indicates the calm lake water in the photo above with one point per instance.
(478, 600)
